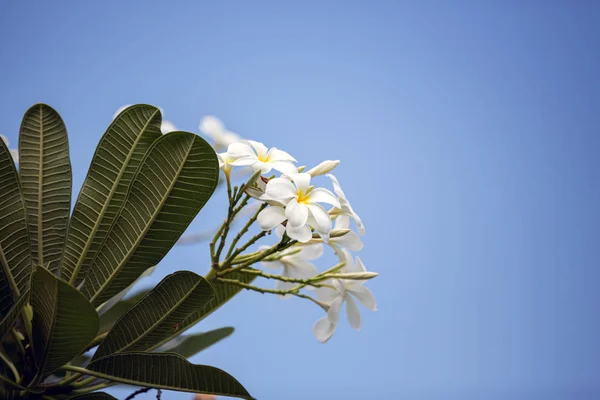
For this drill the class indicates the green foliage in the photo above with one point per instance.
(142, 191)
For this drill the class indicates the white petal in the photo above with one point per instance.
(353, 313)
(323, 329)
(359, 224)
(239, 149)
(279, 230)
(326, 294)
(310, 251)
(350, 241)
(364, 296)
(280, 188)
(345, 256)
(270, 217)
(275, 154)
(262, 166)
(241, 161)
(261, 149)
(336, 186)
(321, 218)
(342, 222)
(285, 167)
(301, 269)
(320, 195)
(302, 182)
(167, 127)
(211, 126)
(302, 234)
(360, 267)
(297, 214)
(333, 314)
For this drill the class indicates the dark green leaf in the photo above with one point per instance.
(112, 315)
(64, 322)
(115, 162)
(15, 252)
(223, 293)
(190, 345)
(174, 181)
(166, 371)
(11, 317)
(158, 314)
(45, 169)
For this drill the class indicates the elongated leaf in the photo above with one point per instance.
(158, 314)
(223, 292)
(11, 317)
(112, 315)
(45, 169)
(6, 296)
(166, 371)
(174, 181)
(93, 396)
(64, 322)
(115, 162)
(15, 252)
(190, 345)
(119, 296)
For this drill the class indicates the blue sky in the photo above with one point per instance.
(468, 134)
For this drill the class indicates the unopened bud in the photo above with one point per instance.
(359, 276)
(324, 168)
(333, 234)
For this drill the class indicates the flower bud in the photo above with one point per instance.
(353, 275)
(324, 168)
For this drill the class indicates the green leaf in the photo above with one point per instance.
(190, 345)
(103, 194)
(173, 182)
(15, 251)
(45, 169)
(112, 315)
(223, 292)
(11, 317)
(158, 314)
(93, 396)
(64, 322)
(166, 371)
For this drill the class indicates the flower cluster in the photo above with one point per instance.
(295, 210)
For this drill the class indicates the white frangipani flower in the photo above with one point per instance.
(344, 291)
(225, 162)
(350, 241)
(294, 262)
(345, 211)
(165, 127)
(257, 155)
(213, 127)
(13, 152)
(323, 168)
(301, 211)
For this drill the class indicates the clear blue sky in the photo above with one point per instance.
(469, 137)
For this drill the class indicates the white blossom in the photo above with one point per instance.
(294, 263)
(213, 127)
(350, 241)
(165, 127)
(299, 207)
(323, 168)
(13, 152)
(345, 212)
(344, 291)
(257, 155)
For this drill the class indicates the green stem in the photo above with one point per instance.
(271, 250)
(10, 365)
(308, 282)
(231, 254)
(294, 291)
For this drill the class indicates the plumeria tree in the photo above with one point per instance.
(70, 324)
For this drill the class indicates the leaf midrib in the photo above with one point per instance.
(165, 317)
(142, 234)
(107, 201)
(40, 214)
